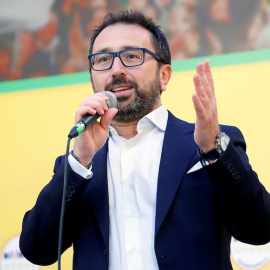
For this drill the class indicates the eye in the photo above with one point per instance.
(133, 56)
(104, 58)
(101, 58)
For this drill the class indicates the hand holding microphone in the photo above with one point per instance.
(95, 134)
(88, 119)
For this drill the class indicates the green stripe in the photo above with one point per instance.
(49, 81)
(180, 65)
(223, 60)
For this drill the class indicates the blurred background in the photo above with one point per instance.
(46, 37)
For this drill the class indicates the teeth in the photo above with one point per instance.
(121, 88)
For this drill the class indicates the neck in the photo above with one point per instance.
(129, 130)
(126, 130)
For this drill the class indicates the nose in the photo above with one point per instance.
(118, 69)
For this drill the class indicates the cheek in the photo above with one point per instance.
(98, 83)
(142, 76)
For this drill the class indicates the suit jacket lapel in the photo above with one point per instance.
(178, 149)
(97, 192)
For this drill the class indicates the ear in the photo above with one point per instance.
(165, 75)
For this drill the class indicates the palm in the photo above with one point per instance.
(206, 125)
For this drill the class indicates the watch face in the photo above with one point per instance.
(224, 141)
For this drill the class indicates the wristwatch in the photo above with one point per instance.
(222, 142)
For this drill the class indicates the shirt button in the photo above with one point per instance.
(130, 214)
(133, 249)
(128, 179)
(128, 145)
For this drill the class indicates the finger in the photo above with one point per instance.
(98, 105)
(199, 108)
(204, 80)
(208, 72)
(82, 111)
(200, 90)
(107, 117)
(102, 99)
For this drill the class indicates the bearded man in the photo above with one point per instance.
(145, 189)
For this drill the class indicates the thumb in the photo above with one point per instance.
(107, 117)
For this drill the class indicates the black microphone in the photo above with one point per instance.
(88, 119)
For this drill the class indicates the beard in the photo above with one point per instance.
(144, 102)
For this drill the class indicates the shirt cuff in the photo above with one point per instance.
(205, 162)
(78, 168)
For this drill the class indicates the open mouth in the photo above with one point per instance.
(121, 89)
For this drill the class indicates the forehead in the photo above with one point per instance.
(120, 36)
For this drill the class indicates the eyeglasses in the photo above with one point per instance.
(130, 58)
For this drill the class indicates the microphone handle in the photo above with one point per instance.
(87, 120)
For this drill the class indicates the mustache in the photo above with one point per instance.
(116, 81)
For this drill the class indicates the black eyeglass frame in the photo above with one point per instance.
(117, 54)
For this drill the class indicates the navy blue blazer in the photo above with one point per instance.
(196, 213)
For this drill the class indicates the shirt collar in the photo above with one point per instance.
(158, 118)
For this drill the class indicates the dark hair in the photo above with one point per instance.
(134, 17)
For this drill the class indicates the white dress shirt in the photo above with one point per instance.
(132, 167)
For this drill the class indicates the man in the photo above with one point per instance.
(153, 200)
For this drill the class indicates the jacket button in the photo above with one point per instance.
(70, 192)
(233, 171)
(71, 189)
(105, 252)
(235, 175)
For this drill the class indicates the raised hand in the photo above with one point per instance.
(204, 100)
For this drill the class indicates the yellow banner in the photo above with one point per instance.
(34, 125)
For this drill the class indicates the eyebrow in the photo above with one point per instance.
(108, 49)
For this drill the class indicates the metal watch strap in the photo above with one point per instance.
(210, 155)
(214, 153)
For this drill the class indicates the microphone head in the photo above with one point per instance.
(112, 102)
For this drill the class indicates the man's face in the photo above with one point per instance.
(137, 88)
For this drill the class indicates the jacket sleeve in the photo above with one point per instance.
(245, 201)
(40, 228)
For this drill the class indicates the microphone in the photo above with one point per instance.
(88, 119)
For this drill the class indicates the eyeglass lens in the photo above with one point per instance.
(132, 57)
